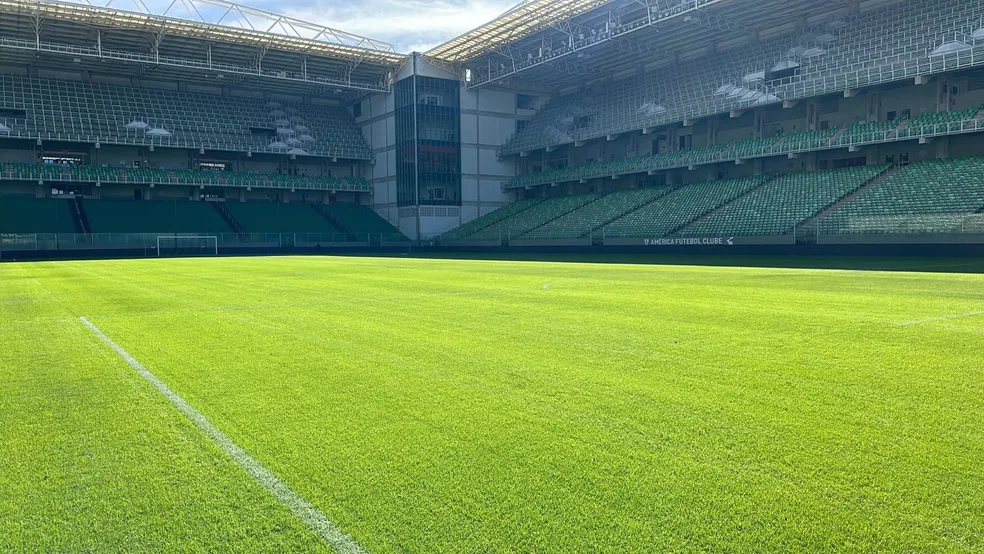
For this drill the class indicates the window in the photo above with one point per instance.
(890, 158)
(891, 115)
(525, 102)
(357, 110)
(686, 141)
(824, 125)
(906, 114)
(904, 159)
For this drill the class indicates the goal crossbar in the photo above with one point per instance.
(209, 242)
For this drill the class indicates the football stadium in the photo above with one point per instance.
(594, 276)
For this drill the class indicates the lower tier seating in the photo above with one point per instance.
(582, 221)
(678, 208)
(27, 214)
(153, 216)
(534, 217)
(490, 218)
(357, 218)
(274, 217)
(778, 206)
(929, 197)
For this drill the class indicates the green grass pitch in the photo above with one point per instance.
(493, 406)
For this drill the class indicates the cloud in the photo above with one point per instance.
(414, 25)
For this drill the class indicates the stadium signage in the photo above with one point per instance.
(691, 241)
(16, 239)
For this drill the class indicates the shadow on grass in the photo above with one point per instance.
(970, 264)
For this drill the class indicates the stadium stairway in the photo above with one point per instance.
(810, 226)
(80, 220)
(722, 206)
(230, 220)
(495, 216)
(331, 218)
(531, 230)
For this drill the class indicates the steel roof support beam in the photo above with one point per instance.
(716, 22)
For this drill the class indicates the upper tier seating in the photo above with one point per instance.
(275, 217)
(111, 215)
(929, 197)
(491, 218)
(582, 221)
(778, 206)
(535, 216)
(27, 214)
(90, 112)
(886, 44)
(678, 208)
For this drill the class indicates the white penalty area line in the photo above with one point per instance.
(302, 508)
(941, 318)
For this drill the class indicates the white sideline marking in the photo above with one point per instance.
(941, 318)
(547, 286)
(302, 508)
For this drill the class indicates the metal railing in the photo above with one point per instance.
(861, 138)
(148, 241)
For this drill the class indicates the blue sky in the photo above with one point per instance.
(409, 25)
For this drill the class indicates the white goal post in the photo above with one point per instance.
(187, 244)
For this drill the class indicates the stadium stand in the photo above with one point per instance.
(928, 197)
(876, 47)
(356, 218)
(271, 217)
(89, 112)
(92, 174)
(778, 206)
(583, 221)
(26, 214)
(491, 218)
(534, 216)
(153, 216)
(678, 208)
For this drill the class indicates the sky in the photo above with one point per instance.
(410, 25)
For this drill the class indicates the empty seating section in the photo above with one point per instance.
(928, 197)
(867, 131)
(143, 175)
(807, 140)
(26, 214)
(357, 218)
(490, 218)
(752, 147)
(109, 215)
(678, 208)
(938, 122)
(271, 217)
(583, 221)
(778, 206)
(890, 43)
(535, 216)
(90, 112)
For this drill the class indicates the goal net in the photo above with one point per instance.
(187, 245)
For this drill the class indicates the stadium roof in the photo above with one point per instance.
(518, 22)
(551, 44)
(174, 34)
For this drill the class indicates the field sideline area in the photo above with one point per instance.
(451, 405)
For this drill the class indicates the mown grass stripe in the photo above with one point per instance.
(302, 508)
(941, 318)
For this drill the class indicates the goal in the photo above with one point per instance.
(197, 245)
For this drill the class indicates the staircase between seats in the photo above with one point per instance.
(228, 217)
